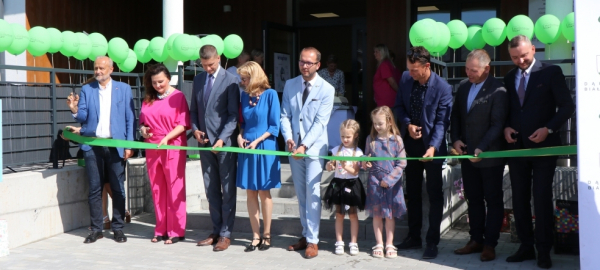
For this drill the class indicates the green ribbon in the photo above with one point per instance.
(535, 152)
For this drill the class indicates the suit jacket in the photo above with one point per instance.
(483, 126)
(546, 91)
(121, 112)
(220, 116)
(308, 122)
(435, 118)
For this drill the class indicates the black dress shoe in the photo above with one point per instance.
(544, 260)
(252, 247)
(431, 252)
(120, 236)
(523, 254)
(92, 237)
(410, 243)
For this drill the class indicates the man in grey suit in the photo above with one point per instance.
(477, 121)
(306, 107)
(214, 113)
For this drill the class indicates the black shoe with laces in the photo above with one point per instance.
(120, 236)
(92, 237)
(410, 243)
(431, 252)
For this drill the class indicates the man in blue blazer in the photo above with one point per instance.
(423, 105)
(306, 107)
(105, 110)
(539, 103)
(214, 115)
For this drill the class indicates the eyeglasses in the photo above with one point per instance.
(308, 64)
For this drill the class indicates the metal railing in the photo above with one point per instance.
(33, 113)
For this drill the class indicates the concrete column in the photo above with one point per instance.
(561, 49)
(14, 12)
(172, 23)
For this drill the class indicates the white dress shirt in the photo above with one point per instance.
(105, 94)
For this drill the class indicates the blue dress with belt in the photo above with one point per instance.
(260, 172)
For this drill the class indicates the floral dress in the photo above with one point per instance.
(386, 202)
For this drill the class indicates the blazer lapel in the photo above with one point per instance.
(299, 86)
(314, 89)
(218, 81)
(533, 76)
(96, 100)
(482, 92)
(464, 99)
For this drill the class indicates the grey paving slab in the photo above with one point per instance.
(67, 251)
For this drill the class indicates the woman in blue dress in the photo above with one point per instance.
(257, 174)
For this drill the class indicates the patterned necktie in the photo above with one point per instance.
(209, 86)
(521, 90)
(306, 92)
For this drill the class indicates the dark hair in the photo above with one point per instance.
(151, 94)
(257, 53)
(208, 52)
(517, 40)
(331, 59)
(418, 54)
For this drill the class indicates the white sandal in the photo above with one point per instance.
(377, 251)
(393, 253)
(339, 248)
(353, 249)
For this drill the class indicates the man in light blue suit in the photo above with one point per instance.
(306, 107)
(105, 110)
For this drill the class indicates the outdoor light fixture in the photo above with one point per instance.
(325, 15)
(428, 8)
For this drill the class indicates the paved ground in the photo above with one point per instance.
(67, 251)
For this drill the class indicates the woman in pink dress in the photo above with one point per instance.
(385, 82)
(163, 120)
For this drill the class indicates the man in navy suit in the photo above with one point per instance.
(214, 115)
(539, 104)
(105, 110)
(423, 105)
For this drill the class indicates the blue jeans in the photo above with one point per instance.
(105, 163)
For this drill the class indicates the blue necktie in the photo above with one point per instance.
(208, 88)
(521, 89)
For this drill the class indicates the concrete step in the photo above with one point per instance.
(281, 206)
(290, 225)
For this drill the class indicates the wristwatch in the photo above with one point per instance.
(550, 131)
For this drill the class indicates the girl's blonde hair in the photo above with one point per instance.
(355, 127)
(258, 80)
(389, 118)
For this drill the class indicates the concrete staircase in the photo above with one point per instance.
(285, 218)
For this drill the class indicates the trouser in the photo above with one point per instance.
(306, 174)
(100, 161)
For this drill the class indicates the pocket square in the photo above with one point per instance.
(314, 99)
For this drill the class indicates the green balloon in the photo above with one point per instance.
(169, 44)
(39, 41)
(444, 37)
(20, 39)
(233, 46)
(458, 34)
(439, 54)
(99, 46)
(197, 45)
(157, 49)
(474, 38)
(494, 32)
(216, 41)
(70, 44)
(519, 25)
(567, 27)
(6, 35)
(141, 52)
(183, 48)
(85, 47)
(547, 29)
(118, 50)
(423, 33)
(56, 40)
(130, 62)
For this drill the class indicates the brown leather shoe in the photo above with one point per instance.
(298, 246)
(488, 253)
(211, 239)
(222, 244)
(471, 247)
(312, 250)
